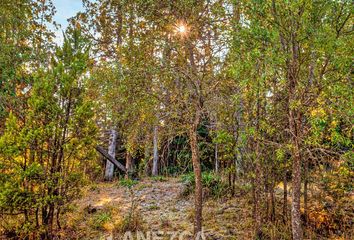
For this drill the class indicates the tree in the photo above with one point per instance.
(173, 82)
(25, 42)
(258, 90)
(285, 36)
(111, 151)
(44, 155)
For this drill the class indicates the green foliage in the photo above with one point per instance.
(212, 184)
(25, 42)
(180, 154)
(159, 178)
(272, 81)
(100, 219)
(127, 182)
(43, 152)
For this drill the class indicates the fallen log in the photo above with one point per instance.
(105, 154)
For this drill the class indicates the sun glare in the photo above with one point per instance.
(181, 29)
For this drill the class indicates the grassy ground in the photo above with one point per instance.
(108, 210)
(105, 212)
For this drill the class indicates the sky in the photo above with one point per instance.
(64, 10)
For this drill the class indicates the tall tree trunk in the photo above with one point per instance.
(257, 177)
(285, 197)
(294, 117)
(198, 196)
(267, 193)
(257, 195)
(156, 153)
(216, 158)
(111, 151)
(295, 125)
(296, 193)
(197, 103)
(128, 164)
(290, 47)
(272, 200)
(306, 169)
(147, 158)
(306, 163)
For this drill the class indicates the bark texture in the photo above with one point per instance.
(155, 161)
(294, 127)
(105, 154)
(112, 152)
(129, 164)
(285, 197)
(216, 159)
(198, 197)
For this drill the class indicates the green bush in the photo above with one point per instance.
(212, 184)
(128, 183)
(100, 219)
(159, 178)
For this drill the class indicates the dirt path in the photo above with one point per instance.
(160, 207)
(158, 202)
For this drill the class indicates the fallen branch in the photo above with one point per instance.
(105, 154)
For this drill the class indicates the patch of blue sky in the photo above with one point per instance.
(65, 9)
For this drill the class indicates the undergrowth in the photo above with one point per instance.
(213, 185)
(159, 178)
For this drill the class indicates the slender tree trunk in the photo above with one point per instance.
(294, 116)
(257, 195)
(306, 163)
(294, 125)
(272, 199)
(290, 47)
(37, 217)
(267, 194)
(156, 153)
(50, 219)
(58, 218)
(147, 158)
(197, 101)
(128, 164)
(198, 197)
(257, 177)
(296, 175)
(306, 169)
(111, 151)
(216, 158)
(285, 197)
(296, 194)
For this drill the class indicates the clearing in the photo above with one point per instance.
(102, 211)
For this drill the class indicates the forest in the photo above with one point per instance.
(177, 119)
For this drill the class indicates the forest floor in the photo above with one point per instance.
(103, 210)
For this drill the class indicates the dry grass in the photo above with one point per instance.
(160, 207)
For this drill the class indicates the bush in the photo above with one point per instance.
(128, 183)
(159, 178)
(131, 223)
(212, 184)
(100, 219)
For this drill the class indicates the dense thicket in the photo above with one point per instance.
(260, 92)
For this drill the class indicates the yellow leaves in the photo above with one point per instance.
(344, 171)
(295, 104)
(19, 160)
(321, 99)
(108, 226)
(318, 112)
(334, 124)
(319, 217)
(19, 89)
